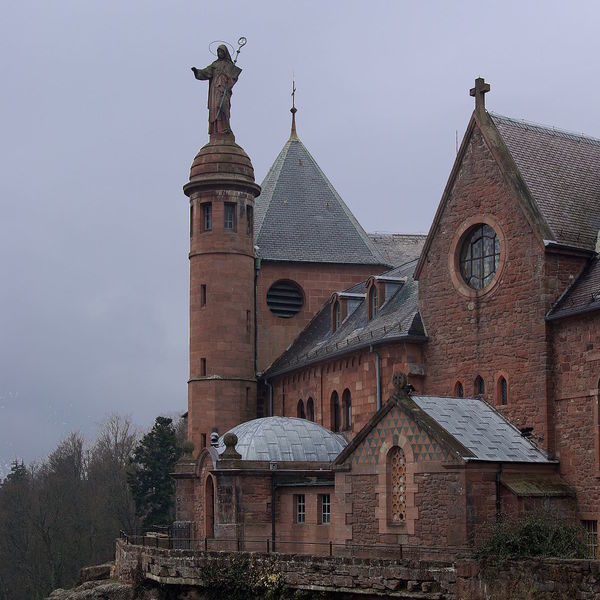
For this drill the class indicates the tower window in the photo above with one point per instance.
(203, 367)
(249, 219)
(324, 509)
(310, 409)
(203, 295)
(300, 508)
(248, 321)
(191, 220)
(347, 409)
(300, 412)
(207, 216)
(230, 216)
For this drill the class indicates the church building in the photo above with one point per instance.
(381, 394)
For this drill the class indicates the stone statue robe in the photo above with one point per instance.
(222, 75)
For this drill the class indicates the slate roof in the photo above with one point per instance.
(582, 296)
(398, 248)
(285, 439)
(481, 429)
(562, 173)
(397, 318)
(299, 216)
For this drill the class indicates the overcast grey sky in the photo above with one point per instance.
(101, 117)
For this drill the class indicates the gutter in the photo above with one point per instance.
(256, 270)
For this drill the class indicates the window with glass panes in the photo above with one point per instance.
(479, 256)
(325, 509)
(207, 216)
(300, 508)
(230, 216)
(591, 528)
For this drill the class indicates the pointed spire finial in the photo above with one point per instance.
(293, 110)
(478, 92)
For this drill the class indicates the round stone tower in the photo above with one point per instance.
(222, 383)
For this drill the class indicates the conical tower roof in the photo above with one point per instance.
(299, 217)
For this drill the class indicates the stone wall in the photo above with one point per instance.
(466, 579)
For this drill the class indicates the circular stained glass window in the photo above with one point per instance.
(285, 298)
(479, 256)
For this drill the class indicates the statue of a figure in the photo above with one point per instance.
(222, 75)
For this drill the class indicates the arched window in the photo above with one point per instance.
(335, 412)
(209, 508)
(347, 409)
(459, 390)
(396, 488)
(301, 414)
(310, 409)
(479, 386)
(336, 315)
(373, 307)
(502, 391)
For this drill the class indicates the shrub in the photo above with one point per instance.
(539, 534)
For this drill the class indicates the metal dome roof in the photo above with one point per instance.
(285, 439)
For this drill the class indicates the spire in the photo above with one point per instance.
(293, 110)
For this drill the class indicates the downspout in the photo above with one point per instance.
(377, 374)
(498, 495)
(256, 270)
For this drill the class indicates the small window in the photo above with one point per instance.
(249, 219)
(300, 508)
(335, 412)
(230, 216)
(310, 409)
(324, 509)
(459, 390)
(203, 367)
(300, 410)
(248, 321)
(479, 386)
(203, 295)
(373, 306)
(191, 220)
(591, 529)
(207, 216)
(336, 315)
(347, 409)
(502, 392)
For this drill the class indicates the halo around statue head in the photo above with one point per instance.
(212, 47)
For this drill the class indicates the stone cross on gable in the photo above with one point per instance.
(479, 91)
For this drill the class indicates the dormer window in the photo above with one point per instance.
(373, 302)
(336, 315)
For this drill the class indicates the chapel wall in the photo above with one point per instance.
(318, 281)
(501, 333)
(576, 375)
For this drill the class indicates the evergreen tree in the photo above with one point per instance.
(149, 478)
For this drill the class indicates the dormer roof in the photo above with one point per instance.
(299, 217)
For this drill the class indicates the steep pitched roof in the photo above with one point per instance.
(299, 216)
(562, 172)
(398, 248)
(398, 318)
(469, 427)
(582, 296)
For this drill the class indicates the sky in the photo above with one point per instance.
(100, 119)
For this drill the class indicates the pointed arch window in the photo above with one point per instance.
(396, 492)
(310, 409)
(347, 409)
(300, 410)
(373, 302)
(502, 391)
(335, 411)
(459, 390)
(479, 386)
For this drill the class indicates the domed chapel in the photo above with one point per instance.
(385, 393)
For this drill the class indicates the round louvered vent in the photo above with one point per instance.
(285, 298)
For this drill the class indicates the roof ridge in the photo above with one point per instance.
(272, 175)
(559, 132)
